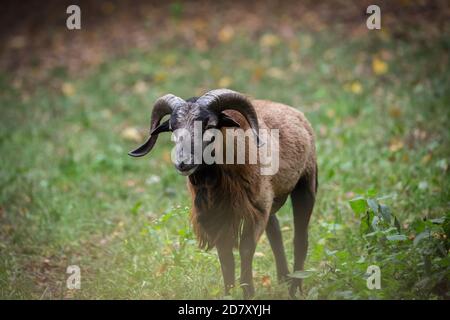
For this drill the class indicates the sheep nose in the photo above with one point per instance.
(182, 166)
(185, 168)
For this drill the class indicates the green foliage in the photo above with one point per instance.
(420, 251)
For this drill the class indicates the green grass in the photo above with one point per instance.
(69, 194)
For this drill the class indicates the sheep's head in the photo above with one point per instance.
(205, 111)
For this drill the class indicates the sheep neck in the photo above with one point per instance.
(222, 201)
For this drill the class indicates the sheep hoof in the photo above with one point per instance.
(249, 291)
(295, 283)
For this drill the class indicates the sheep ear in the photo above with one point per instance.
(143, 149)
(148, 145)
(226, 121)
(163, 127)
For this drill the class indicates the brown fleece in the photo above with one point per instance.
(226, 196)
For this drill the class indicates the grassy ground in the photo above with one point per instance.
(69, 194)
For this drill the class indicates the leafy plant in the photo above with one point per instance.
(419, 250)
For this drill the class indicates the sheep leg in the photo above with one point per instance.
(303, 198)
(273, 232)
(247, 248)
(226, 258)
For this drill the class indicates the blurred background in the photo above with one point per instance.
(33, 34)
(74, 102)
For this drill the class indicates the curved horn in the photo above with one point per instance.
(225, 99)
(163, 106)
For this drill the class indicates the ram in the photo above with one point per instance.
(232, 204)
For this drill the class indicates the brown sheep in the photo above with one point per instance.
(232, 204)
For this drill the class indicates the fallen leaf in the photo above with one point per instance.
(356, 87)
(160, 77)
(68, 89)
(140, 87)
(169, 60)
(201, 44)
(225, 82)
(395, 111)
(331, 113)
(405, 158)
(258, 73)
(225, 34)
(167, 250)
(17, 42)
(161, 269)
(167, 157)
(265, 281)
(396, 145)
(276, 73)
(130, 182)
(131, 134)
(379, 67)
(419, 134)
(426, 158)
(269, 40)
(199, 24)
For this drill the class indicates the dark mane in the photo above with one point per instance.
(227, 189)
